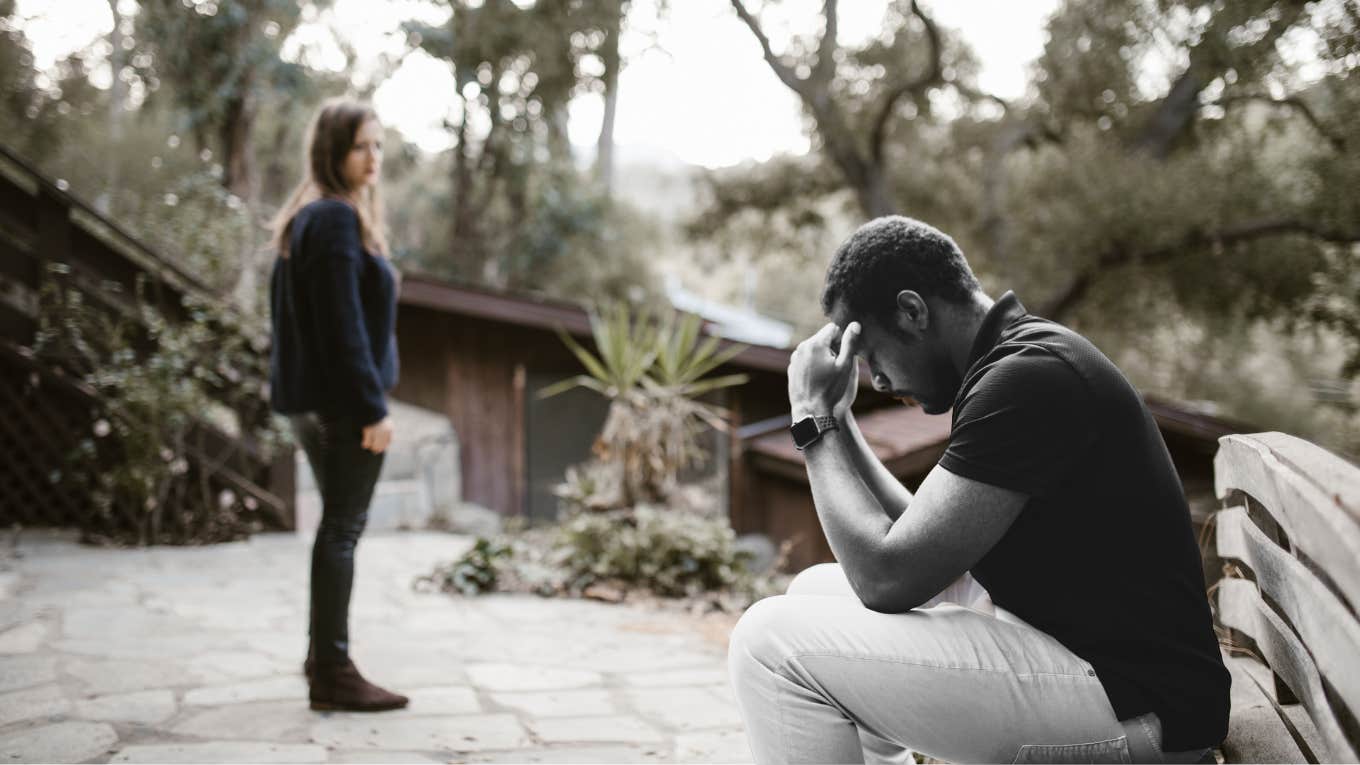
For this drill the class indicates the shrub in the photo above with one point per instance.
(477, 571)
(653, 369)
(670, 554)
(158, 383)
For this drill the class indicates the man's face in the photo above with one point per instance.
(905, 361)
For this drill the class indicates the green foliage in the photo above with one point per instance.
(671, 554)
(519, 212)
(627, 349)
(648, 551)
(475, 573)
(191, 216)
(222, 57)
(27, 111)
(157, 382)
(652, 369)
(1118, 192)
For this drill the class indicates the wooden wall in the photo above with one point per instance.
(475, 371)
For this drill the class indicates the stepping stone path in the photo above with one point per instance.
(195, 655)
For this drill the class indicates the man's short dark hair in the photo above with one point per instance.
(891, 254)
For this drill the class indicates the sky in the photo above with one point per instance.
(694, 87)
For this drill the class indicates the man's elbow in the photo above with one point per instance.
(890, 598)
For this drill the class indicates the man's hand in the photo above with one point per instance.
(378, 435)
(821, 379)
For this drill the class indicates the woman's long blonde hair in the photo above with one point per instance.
(328, 143)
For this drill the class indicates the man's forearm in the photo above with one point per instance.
(890, 493)
(853, 519)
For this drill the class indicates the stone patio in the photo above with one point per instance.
(194, 655)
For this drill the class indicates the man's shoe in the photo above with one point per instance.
(340, 687)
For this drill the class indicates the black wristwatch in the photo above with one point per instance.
(806, 431)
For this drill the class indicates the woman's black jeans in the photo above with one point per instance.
(345, 475)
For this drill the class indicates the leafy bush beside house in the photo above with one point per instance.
(626, 527)
(653, 369)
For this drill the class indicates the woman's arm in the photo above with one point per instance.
(337, 265)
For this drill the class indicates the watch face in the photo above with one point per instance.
(804, 432)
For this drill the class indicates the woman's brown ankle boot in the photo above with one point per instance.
(341, 687)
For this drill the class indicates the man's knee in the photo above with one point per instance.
(759, 637)
(821, 579)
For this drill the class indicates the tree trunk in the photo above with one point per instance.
(238, 177)
(238, 164)
(117, 97)
(274, 181)
(609, 53)
(462, 250)
(1173, 116)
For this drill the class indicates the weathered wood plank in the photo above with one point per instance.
(1328, 630)
(1339, 478)
(1255, 731)
(1240, 607)
(1321, 516)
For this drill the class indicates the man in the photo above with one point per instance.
(1040, 597)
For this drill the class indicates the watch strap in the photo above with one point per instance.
(820, 423)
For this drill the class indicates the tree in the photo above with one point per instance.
(852, 124)
(518, 205)
(221, 58)
(1111, 196)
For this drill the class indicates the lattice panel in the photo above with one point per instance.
(39, 426)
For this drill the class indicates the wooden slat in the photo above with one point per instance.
(1329, 631)
(1313, 495)
(1241, 608)
(18, 175)
(1256, 732)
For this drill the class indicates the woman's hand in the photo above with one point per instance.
(378, 435)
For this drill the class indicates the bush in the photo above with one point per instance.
(646, 551)
(671, 554)
(476, 572)
(159, 383)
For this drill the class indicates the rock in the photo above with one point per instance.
(468, 518)
(604, 592)
(763, 551)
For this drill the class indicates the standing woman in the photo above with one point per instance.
(334, 357)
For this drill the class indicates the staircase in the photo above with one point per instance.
(46, 411)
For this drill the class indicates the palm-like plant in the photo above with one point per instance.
(652, 370)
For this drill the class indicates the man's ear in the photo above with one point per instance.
(913, 315)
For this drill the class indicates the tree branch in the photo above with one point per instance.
(1062, 303)
(1175, 113)
(1294, 102)
(826, 50)
(969, 92)
(933, 75)
(781, 70)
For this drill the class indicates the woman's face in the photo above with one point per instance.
(363, 163)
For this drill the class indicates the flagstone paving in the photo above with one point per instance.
(194, 655)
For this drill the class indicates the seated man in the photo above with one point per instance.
(1039, 599)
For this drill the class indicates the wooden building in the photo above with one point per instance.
(480, 356)
(778, 501)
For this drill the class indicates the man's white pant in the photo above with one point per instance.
(822, 679)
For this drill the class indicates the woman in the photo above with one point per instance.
(334, 357)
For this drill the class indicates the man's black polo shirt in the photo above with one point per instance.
(1102, 557)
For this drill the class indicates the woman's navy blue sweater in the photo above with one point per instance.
(333, 314)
